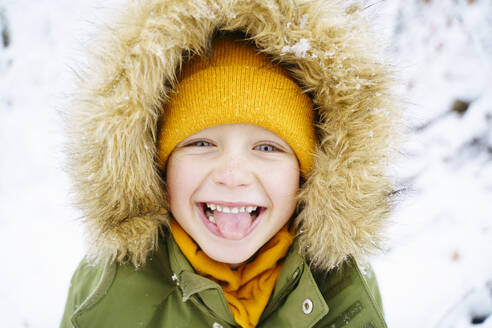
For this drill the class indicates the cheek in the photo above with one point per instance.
(282, 184)
(181, 181)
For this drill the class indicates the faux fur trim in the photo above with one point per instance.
(112, 122)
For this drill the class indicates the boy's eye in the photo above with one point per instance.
(199, 143)
(266, 148)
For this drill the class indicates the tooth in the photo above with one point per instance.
(226, 209)
(219, 208)
(242, 209)
(249, 209)
(211, 206)
(234, 210)
(211, 219)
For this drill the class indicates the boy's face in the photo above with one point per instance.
(232, 187)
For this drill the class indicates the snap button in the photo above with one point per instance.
(307, 306)
(217, 325)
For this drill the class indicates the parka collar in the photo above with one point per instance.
(192, 284)
(295, 281)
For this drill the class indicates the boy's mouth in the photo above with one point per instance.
(230, 222)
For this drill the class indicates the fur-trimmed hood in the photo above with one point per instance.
(112, 122)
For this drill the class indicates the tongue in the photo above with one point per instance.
(233, 226)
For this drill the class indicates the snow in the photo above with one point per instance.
(439, 249)
(299, 49)
(437, 269)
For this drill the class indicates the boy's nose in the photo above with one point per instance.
(232, 173)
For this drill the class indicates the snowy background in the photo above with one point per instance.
(437, 271)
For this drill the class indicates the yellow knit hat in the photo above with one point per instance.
(238, 85)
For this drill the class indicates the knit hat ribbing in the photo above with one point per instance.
(238, 85)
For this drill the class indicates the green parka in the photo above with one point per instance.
(133, 274)
(167, 292)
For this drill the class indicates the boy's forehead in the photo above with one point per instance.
(243, 129)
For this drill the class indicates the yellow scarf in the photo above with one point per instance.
(248, 288)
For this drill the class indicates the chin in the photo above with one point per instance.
(232, 256)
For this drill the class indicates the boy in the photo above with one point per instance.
(222, 189)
